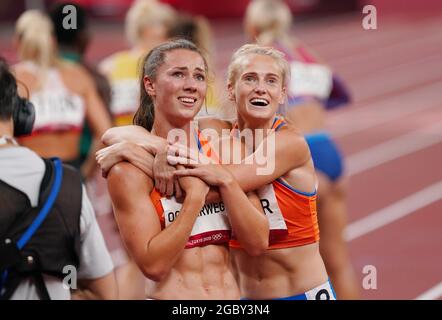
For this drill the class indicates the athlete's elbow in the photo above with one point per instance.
(156, 273)
(106, 137)
(109, 136)
(258, 248)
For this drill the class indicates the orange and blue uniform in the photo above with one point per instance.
(291, 213)
(293, 222)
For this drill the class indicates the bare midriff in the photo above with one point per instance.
(64, 145)
(279, 273)
(200, 273)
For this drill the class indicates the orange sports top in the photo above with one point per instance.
(212, 224)
(291, 213)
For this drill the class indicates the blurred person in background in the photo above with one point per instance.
(312, 90)
(63, 93)
(73, 44)
(147, 23)
(69, 234)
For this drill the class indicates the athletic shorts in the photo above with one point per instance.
(323, 292)
(325, 154)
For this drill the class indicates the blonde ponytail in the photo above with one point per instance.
(270, 19)
(35, 34)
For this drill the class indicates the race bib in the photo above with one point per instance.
(58, 110)
(211, 226)
(277, 225)
(125, 96)
(310, 79)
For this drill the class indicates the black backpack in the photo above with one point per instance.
(11, 255)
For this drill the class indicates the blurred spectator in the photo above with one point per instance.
(69, 234)
(63, 93)
(147, 22)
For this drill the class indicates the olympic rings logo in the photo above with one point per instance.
(217, 237)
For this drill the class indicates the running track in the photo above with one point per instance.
(391, 136)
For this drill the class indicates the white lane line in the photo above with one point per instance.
(415, 97)
(388, 110)
(394, 148)
(431, 294)
(376, 119)
(394, 211)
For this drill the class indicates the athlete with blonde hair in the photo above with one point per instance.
(63, 94)
(147, 24)
(312, 90)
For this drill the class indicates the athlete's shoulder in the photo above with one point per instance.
(128, 177)
(291, 141)
(214, 123)
(74, 70)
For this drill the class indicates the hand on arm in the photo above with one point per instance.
(290, 151)
(125, 151)
(246, 215)
(99, 121)
(154, 250)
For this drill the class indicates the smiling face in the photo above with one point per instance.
(258, 89)
(180, 85)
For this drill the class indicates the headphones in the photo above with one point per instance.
(23, 116)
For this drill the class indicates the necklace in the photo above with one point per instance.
(7, 140)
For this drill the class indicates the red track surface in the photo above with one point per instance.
(395, 75)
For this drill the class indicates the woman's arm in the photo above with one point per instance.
(103, 288)
(247, 218)
(125, 151)
(137, 146)
(154, 250)
(290, 151)
(98, 119)
(279, 153)
(137, 135)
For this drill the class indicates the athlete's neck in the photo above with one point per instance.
(163, 126)
(259, 128)
(254, 123)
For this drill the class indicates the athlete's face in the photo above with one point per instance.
(180, 85)
(258, 89)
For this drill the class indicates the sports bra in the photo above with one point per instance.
(56, 107)
(291, 213)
